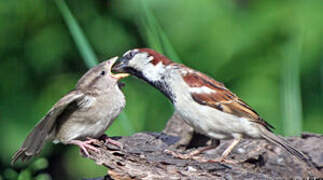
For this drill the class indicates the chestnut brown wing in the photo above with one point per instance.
(222, 98)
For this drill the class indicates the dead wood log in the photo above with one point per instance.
(144, 157)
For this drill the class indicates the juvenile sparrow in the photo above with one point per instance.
(205, 104)
(82, 114)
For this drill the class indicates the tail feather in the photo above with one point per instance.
(32, 144)
(285, 145)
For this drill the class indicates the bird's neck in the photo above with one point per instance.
(170, 85)
(164, 87)
(97, 91)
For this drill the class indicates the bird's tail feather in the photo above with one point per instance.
(32, 144)
(285, 145)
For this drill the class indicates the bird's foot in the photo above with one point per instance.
(86, 145)
(107, 140)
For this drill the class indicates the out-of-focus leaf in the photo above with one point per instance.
(39, 164)
(291, 94)
(25, 175)
(10, 174)
(156, 37)
(77, 34)
(42, 53)
(43, 177)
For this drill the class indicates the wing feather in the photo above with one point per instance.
(221, 98)
(41, 132)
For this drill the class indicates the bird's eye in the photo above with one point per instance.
(131, 54)
(102, 73)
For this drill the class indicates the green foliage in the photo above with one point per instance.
(39, 164)
(31, 172)
(268, 52)
(25, 175)
(10, 174)
(292, 105)
(155, 36)
(77, 34)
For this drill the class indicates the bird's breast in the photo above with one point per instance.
(212, 122)
(92, 119)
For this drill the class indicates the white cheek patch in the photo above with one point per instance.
(140, 59)
(154, 72)
(201, 90)
(149, 70)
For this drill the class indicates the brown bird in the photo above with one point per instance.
(204, 103)
(84, 113)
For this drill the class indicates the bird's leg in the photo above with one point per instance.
(108, 140)
(227, 152)
(85, 145)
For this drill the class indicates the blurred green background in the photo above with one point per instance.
(270, 53)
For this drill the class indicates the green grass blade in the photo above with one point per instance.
(77, 34)
(168, 46)
(149, 30)
(154, 31)
(292, 105)
(86, 51)
(155, 36)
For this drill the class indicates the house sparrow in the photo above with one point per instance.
(84, 113)
(204, 103)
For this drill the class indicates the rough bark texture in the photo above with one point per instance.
(144, 157)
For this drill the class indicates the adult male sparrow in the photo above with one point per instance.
(82, 114)
(204, 103)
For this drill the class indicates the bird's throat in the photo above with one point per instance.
(161, 85)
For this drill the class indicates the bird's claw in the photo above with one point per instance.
(107, 140)
(86, 145)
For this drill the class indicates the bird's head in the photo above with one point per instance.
(144, 63)
(100, 77)
(148, 65)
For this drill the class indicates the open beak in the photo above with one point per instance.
(118, 75)
(120, 65)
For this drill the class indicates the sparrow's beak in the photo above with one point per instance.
(120, 65)
(119, 75)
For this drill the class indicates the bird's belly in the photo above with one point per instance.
(78, 130)
(215, 123)
(79, 125)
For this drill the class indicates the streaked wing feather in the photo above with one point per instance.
(60, 106)
(222, 99)
(39, 134)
